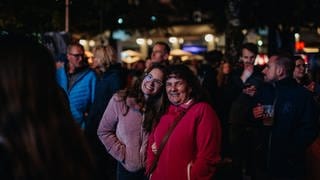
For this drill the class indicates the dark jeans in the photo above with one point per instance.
(123, 174)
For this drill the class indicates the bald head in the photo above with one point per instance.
(278, 67)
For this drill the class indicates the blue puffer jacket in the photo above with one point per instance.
(81, 94)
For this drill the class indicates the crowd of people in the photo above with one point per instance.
(166, 120)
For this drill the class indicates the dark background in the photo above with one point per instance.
(94, 16)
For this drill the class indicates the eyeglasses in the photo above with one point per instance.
(77, 55)
(300, 65)
(150, 78)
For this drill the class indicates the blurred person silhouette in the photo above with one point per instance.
(38, 137)
(301, 75)
(247, 80)
(78, 81)
(304, 78)
(224, 95)
(299, 69)
(192, 65)
(127, 121)
(148, 63)
(208, 71)
(185, 142)
(160, 53)
(137, 69)
(110, 79)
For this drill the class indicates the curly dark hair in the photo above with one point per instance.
(198, 94)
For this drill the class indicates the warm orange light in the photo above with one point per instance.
(299, 45)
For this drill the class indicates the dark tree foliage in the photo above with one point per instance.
(94, 16)
(272, 12)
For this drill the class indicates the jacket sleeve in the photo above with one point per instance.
(306, 128)
(61, 77)
(107, 132)
(208, 139)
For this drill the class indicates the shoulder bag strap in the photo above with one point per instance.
(165, 139)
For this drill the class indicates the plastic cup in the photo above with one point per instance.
(267, 115)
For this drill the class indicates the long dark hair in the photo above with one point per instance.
(222, 78)
(37, 131)
(149, 107)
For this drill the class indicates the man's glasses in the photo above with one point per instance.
(150, 78)
(77, 55)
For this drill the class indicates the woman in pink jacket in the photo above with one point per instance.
(127, 121)
(192, 150)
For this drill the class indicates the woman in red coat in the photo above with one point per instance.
(193, 148)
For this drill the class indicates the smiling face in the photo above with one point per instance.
(152, 82)
(177, 90)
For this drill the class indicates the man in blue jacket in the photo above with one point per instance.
(294, 121)
(78, 81)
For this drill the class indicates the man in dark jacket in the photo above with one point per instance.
(294, 122)
(246, 80)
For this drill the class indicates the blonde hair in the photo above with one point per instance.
(107, 56)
